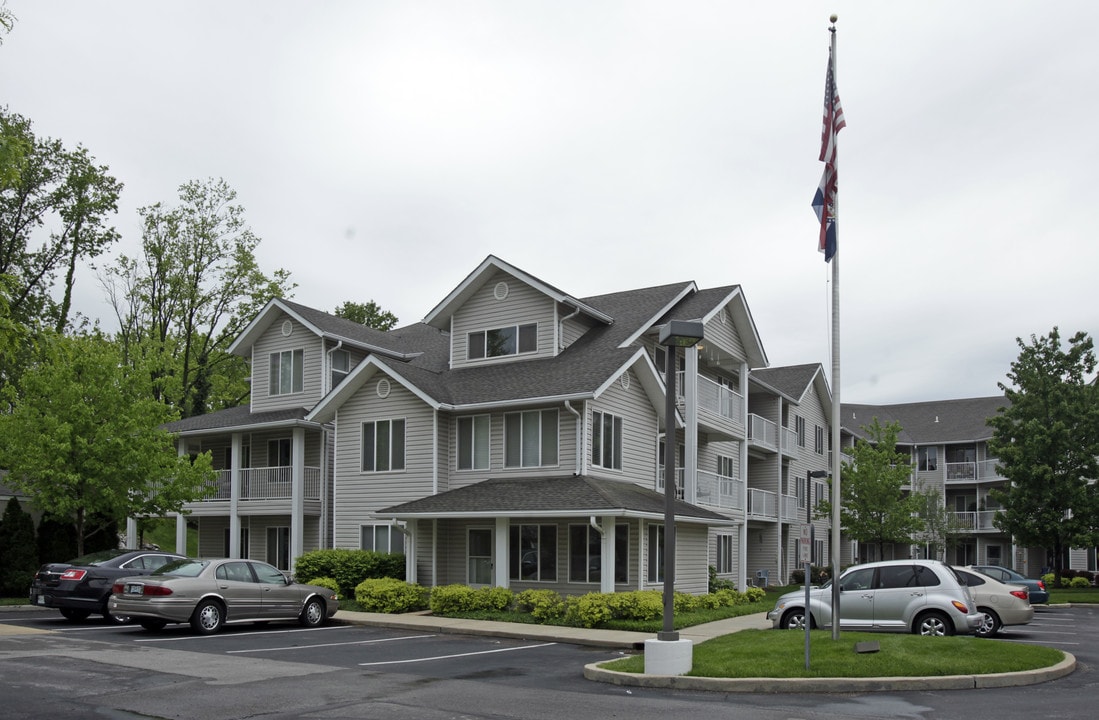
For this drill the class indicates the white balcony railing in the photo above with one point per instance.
(762, 504)
(982, 471)
(714, 397)
(718, 490)
(762, 432)
(976, 519)
(789, 442)
(265, 483)
(789, 506)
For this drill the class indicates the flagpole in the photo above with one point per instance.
(836, 496)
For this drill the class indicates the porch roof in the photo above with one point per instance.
(569, 496)
(239, 418)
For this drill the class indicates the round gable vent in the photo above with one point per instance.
(500, 292)
(383, 388)
(624, 381)
(287, 328)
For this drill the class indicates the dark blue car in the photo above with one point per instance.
(1038, 593)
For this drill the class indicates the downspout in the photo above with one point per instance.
(580, 455)
(561, 328)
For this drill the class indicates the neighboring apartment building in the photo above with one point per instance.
(947, 441)
(514, 437)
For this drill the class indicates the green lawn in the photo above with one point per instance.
(1059, 596)
(781, 654)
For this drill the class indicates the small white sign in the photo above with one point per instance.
(804, 548)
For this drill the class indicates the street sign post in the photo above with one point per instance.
(805, 549)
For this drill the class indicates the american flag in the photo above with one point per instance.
(825, 198)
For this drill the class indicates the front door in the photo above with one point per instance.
(479, 562)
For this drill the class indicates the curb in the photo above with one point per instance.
(596, 673)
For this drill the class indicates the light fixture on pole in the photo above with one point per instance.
(665, 655)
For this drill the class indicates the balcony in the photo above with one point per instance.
(762, 504)
(971, 472)
(265, 483)
(762, 433)
(718, 490)
(720, 408)
(976, 520)
(789, 443)
(678, 481)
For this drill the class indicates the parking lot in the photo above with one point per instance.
(284, 671)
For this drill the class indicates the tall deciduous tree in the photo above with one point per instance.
(53, 216)
(1047, 442)
(369, 314)
(877, 507)
(192, 290)
(83, 438)
(18, 553)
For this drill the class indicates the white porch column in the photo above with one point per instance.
(411, 538)
(606, 551)
(181, 519)
(297, 495)
(500, 559)
(236, 450)
(131, 533)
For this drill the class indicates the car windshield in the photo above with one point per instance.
(182, 568)
(96, 558)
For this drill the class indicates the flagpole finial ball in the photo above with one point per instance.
(834, 18)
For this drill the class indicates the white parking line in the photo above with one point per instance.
(310, 647)
(448, 657)
(246, 635)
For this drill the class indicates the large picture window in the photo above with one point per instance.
(383, 446)
(606, 440)
(473, 434)
(382, 538)
(586, 554)
(287, 369)
(500, 342)
(532, 551)
(530, 438)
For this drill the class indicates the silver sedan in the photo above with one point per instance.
(209, 593)
(999, 603)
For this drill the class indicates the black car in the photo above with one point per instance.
(81, 587)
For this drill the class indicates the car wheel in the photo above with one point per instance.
(75, 615)
(113, 619)
(795, 620)
(153, 624)
(208, 617)
(933, 623)
(990, 623)
(313, 615)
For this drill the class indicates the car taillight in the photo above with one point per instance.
(74, 574)
(1041, 585)
(961, 607)
(1021, 594)
(158, 590)
(117, 589)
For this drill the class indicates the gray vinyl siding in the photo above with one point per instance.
(313, 364)
(692, 572)
(639, 432)
(425, 539)
(721, 332)
(358, 494)
(483, 311)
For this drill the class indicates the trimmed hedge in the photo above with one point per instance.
(350, 567)
(389, 595)
(458, 599)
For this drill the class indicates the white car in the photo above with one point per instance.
(919, 596)
(999, 603)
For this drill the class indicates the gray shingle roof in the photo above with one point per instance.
(572, 495)
(236, 417)
(791, 380)
(928, 423)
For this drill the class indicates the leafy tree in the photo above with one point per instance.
(1047, 442)
(941, 527)
(876, 507)
(18, 557)
(83, 439)
(183, 301)
(53, 211)
(369, 314)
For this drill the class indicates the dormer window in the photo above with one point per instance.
(500, 342)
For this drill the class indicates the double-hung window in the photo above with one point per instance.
(799, 428)
(499, 342)
(287, 369)
(586, 554)
(473, 432)
(726, 547)
(818, 440)
(530, 438)
(656, 554)
(383, 445)
(341, 366)
(606, 440)
(381, 538)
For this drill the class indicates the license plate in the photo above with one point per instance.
(41, 600)
(133, 588)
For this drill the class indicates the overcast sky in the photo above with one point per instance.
(383, 149)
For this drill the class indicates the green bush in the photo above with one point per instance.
(18, 554)
(543, 605)
(457, 599)
(1079, 582)
(389, 595)
(755, 594)
(717, 583)
(587, 610)
(636, 605)
(325, 582)
(350, 567)
(1048, 579)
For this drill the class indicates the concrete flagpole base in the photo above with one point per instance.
(668, 657)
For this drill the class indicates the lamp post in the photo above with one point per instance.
(665, 654)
